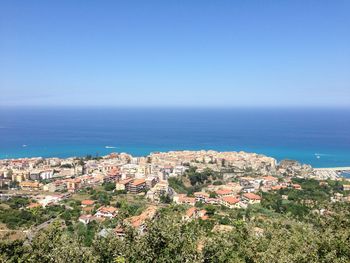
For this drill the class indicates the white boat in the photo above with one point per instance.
(110, 147)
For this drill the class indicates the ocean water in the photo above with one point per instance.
(320, 137)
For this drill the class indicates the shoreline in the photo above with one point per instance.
(338, 169)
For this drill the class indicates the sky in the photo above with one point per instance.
(178, 53)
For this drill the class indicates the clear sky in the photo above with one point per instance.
(175, 53)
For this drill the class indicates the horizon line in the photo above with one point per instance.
(213, 107)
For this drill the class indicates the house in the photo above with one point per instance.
(230, 202)
(85, 219)
(178, 198)
(29, 185)
(106, 212)
(276, 187)
(296, 186)
(213, 201)
(123, 185)
(139, 222)
(269, 180)
(50, 199)
(183, 199)
(119, 231)
(244, 181)
(248, 189)
(224, 192)
(114, 173)
(251, 198)
(194, 213)
(87, 202)
(201, 196)
(73, 184)
(137, 186)
(188, 200)
(160, 189)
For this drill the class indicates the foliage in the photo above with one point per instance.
(108, 186)
(318, 238)
(102, 197)
(165, 199)
(19, 218)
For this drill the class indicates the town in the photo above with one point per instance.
(117, 191)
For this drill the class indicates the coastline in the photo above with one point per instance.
(343, 171)
(49, 152)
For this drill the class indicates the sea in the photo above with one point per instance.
(320, 137)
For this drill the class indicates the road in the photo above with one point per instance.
(340, 169)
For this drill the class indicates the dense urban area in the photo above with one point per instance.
(179, 206)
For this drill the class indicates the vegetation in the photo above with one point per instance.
(109, 186)
(288, 226)
(196, 180)
(14, 216)
(320, 238)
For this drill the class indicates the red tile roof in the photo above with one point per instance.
(191, 211)
(252, 196)
(107, 209)
(223, 191)
(230, 199)
(138, 182)
(87, 202)
(125, 181)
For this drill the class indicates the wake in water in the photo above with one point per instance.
(319, 155)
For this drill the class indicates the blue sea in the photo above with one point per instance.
(320, 137)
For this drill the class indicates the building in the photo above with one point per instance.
(48, 174)
(137, 186)
(251, 198)
(73, 184)
(230, 202)
(48, 200)
(151, 181)
(183, 199)
(201, 197)
(138, 222)
(123, 185)
(248, 189)
(269, 180)
(106, 212)
(29, 185)
(224, 192)
(87, 202)
(85, 219)
(194, 213)
(296, 186)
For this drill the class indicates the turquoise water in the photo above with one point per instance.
(346, 174)
(320, 137)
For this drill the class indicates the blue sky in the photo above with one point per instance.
(175, 53)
